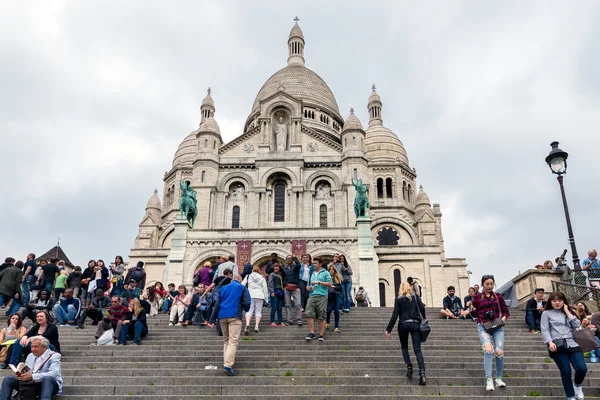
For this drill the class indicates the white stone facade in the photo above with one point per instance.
(288, 176)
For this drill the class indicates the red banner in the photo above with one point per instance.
(244, 253)
(298, 248)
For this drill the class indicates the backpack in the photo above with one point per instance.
(360, 295)
(137, 274)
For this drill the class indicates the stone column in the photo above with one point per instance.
(368, 267)
(174, 263)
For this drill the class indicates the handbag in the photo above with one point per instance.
(279, 293)
(494, 324)
(424, 324)
(585, 339)
(291, 287)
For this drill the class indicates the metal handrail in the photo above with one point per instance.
(579, 293)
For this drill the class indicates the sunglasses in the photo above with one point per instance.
(486, 277)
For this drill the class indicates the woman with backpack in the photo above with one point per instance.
(276, 294)
(334, 293)
(409, 309)
(557, 324)
(492, 312)
(259, 293)
(362, 297)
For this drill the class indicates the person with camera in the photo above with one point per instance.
(557, 324)
(492, 313)
(409, 308)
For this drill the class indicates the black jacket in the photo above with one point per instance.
(532, 306)
(405, 309)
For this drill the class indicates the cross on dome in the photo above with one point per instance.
(296, 19)
(208, 91)
(373, 87)
(351, 110)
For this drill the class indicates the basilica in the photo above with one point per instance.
(285, 185)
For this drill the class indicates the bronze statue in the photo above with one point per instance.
(361, 201)
(187, 202)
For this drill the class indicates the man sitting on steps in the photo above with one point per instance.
(452, 308)
(67, 311)
(533, 310)
(100, 303)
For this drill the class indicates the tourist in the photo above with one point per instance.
(132, 291)
(8, 262)
(217, 285)
(134, 324)
(101, 276)
(61, 284)
(533, 310)
(153, 300)
(86, 277)
(491, 306)
(230, 300)
(41, 327)
(10, 286)
(115, 313)
(416, 288)
(334, 295)
(74, 280)
(168, 298)
(469, 309)
(557, 325)
(117, 270)
(269, 267)
(316, 306)
(276, 294)
(247, 270)
(257, 287)
(138, 274)
(362, 297)
(591, 263)
(346, 284)
(206, 274)
(196, 311)
(409, 309)
(306, 270)
(180, 305)
(97, 309)
(41, 302)
(229, 264)
(48, 274)
(452, 307)
(14, 331)
(44, 375)
(291, 291)
(68, 309)
(476, 288)
(29, 270)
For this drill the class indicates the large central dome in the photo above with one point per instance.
(301, 83)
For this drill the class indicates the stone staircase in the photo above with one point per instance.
(278, 363)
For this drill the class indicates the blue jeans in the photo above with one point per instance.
(486, 338)
(117, 288)
(167, 303)
(531, 320)
(14, 307)
(63, 316)
(333, 305)
(138, 330)
(49, 387)
(26, 288)
(48, 286)
(346, 294)
(564, 362)
(3, 300)
(277, 306)
(15, 356)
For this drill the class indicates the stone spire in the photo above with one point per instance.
(374, 107)
(296, 45)
(207, 109)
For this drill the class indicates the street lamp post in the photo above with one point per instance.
(557, 161)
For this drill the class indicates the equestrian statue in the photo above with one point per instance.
(361, 201)
(187, 202)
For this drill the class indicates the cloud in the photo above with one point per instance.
(97, 97)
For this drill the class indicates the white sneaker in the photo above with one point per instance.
(179, 324)
(170, 324)
(500, 382)
(578, 392)
(256, 329)
(489, 384)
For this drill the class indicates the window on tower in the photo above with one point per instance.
(279, 209)
(380, 188)
(323, 216)
(235, 217)
(388, 188)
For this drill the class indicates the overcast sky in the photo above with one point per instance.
(95, 99)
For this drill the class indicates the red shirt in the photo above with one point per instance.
(495, 303)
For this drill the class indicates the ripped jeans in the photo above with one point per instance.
(498, 347)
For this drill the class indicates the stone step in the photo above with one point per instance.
(294, 397)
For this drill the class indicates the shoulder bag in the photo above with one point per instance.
(496, 323)
(424, 324)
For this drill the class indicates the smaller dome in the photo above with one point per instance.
(374, 97)
(422, 198)
(382, 145)
(352, 122)
(296, 31)
(154, 202)
(208, 101)
(209, 125)
(186, 150)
